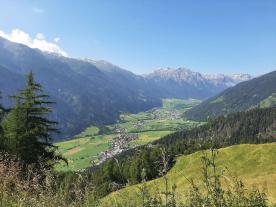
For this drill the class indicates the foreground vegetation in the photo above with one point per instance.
(211, 178)
(233, 163)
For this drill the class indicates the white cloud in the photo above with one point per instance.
(40, 36)
(57, 39)
(38, 42)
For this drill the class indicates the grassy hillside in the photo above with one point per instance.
(268, 102)
(82, 151)
(254, 164)
(257, 92)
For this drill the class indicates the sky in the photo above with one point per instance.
(208, 36)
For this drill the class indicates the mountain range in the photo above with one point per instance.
(95, 92)
(184, 83)
(257, 92)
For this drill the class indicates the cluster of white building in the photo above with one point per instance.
(118, 144)
(166, 114)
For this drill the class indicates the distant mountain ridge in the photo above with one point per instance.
(94, 92)
(228, 80)
(189, 76)
(182, 82)
(258, 92)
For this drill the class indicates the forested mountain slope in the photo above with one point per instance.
(254, 126)
(84, 93)
(241, 97)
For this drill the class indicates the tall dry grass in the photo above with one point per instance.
(30, 188)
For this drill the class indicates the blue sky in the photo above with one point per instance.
(209, 36)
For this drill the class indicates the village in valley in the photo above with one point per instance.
(123, 138)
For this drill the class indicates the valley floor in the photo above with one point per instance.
(90, 146)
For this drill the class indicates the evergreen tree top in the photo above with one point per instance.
(28, 129)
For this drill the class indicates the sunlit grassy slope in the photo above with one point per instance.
(254, 164)
(83, 150)
(269, 102)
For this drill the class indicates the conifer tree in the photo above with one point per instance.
(1, 129)
(14, 129)
(2, 109)
(27, 127)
